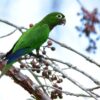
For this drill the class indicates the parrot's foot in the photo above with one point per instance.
(40, 57)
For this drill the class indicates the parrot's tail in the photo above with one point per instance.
(5, 69)
(11, 58)
(15, 56)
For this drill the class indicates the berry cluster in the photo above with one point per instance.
(50, 75)
(56, 92)
(49, 45)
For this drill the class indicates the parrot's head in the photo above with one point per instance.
(55, 18)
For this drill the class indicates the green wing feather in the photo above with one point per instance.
(33, 38)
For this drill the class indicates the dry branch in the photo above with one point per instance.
(25, 82)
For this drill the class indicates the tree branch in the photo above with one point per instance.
(75, 68)
(72, 80)
(8, 34)
(66, 92)
(71, 49)
(25, 82)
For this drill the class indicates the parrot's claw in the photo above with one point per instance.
(40, 57)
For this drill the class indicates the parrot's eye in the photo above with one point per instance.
(59, 16)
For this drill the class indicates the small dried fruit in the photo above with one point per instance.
(49, 43)
(53, 48)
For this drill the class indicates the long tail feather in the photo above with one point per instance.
(5, 69)
(12, 58)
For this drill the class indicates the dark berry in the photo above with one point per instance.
(53, 95)
(44, 52)
(60, 96)
(49, 43)
(55, 85)
(49, 72)
(22, 65)
(53, 77)
(53, 48)
(31, 25)
(63, 76)
(44, 73)
(38, 71)
(59, 80)
(46, 63)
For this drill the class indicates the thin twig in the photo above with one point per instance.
(94, 88)
(75, 68)
(33, 74)
(25, 82)
(72, 80)
(78, 1)
(13, 25)
(8, 34)
(71, 49)
(66, 92)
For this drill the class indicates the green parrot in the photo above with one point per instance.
(33, 38)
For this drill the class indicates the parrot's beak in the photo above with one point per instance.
(64, 21)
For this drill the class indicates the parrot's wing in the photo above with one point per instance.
(33, 38)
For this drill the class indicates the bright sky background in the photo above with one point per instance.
(24, 12)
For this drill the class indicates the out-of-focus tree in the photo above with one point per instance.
(89, 21)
